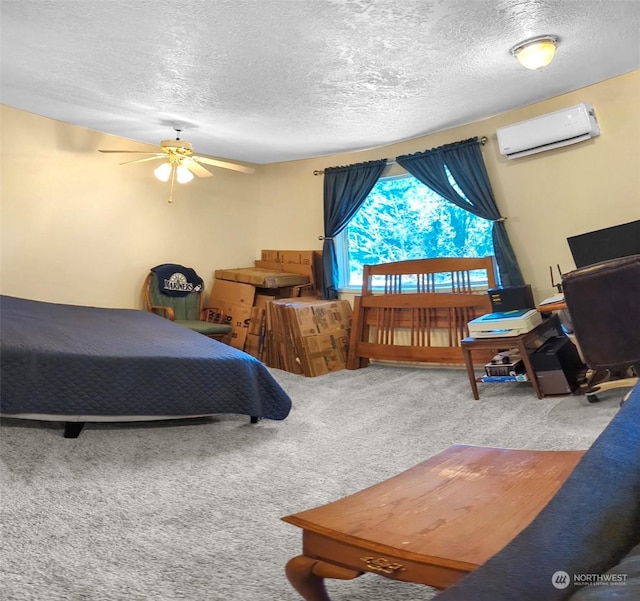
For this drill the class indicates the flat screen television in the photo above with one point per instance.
(608, 243)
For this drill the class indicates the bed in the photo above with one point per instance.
(79, 364)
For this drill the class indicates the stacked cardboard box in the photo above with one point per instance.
(307, 336)
(242, 294)
(295, 257)
(261, 277)
(254, 342)
(235, 300)
(243, 306)
(303, 262)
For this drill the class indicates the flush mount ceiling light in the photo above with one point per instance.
(537, 52)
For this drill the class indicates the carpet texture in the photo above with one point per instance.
(189, 510)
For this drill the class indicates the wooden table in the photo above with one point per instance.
(549, 328)
(551, 307)
(431, 524)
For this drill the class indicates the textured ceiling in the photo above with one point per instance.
(273, 80)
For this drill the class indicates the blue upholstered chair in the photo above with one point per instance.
(177, 293)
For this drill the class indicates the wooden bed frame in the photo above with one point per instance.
(426, 322)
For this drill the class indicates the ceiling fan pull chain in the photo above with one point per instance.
(173, 181)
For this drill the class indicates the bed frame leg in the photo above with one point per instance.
(73, 429)
(254, 419)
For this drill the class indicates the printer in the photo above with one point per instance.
(508, 323)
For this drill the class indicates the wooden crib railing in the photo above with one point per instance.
(417, 310)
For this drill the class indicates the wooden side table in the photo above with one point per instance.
(433, 523)
(549, 328)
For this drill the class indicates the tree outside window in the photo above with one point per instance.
(403, 219)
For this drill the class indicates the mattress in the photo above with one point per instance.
(63, 361)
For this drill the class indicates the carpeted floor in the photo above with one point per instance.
(189, 510)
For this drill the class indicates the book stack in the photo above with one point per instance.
(512, 378)
(506, 366)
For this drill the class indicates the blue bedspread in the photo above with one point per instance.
(76, 360)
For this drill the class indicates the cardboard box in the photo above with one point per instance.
(325, 353)
(261, 300)
(306, 270)
(320, 317)
(233, 292)
(238, 316)
(307, 335)
(256, 322)
(269, 255)
(300, 269)
(253, 345)
(300, 257)
(304, 262)
(262, 278)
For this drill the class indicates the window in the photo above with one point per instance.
(403, 219)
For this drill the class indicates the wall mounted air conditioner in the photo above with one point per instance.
(553, 130)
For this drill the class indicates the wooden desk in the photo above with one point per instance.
(551, 307)
(524, 343)
(431, 524)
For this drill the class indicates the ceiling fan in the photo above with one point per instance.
(179, 162)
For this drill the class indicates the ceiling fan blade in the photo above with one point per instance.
(196, 168)
(224, 164)
(129, 151)
(153, 158)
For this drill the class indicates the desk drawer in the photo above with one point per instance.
(394, 566)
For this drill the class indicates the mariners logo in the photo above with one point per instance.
(178, 281)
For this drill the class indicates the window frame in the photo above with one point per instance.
(342, 251)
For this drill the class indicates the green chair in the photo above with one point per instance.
(187, 309)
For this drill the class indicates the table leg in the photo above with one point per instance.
(307, 575)
(470, 372)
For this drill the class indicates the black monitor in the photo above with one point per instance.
(608, 243)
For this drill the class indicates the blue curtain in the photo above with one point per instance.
(466, 165)
(345, 189)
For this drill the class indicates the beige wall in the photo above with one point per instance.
(78, 227)
(545, 197)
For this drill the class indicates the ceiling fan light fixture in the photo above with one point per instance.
(183, 175)
(537, 52)
(163, 173)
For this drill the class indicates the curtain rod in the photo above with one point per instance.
(483, 141)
